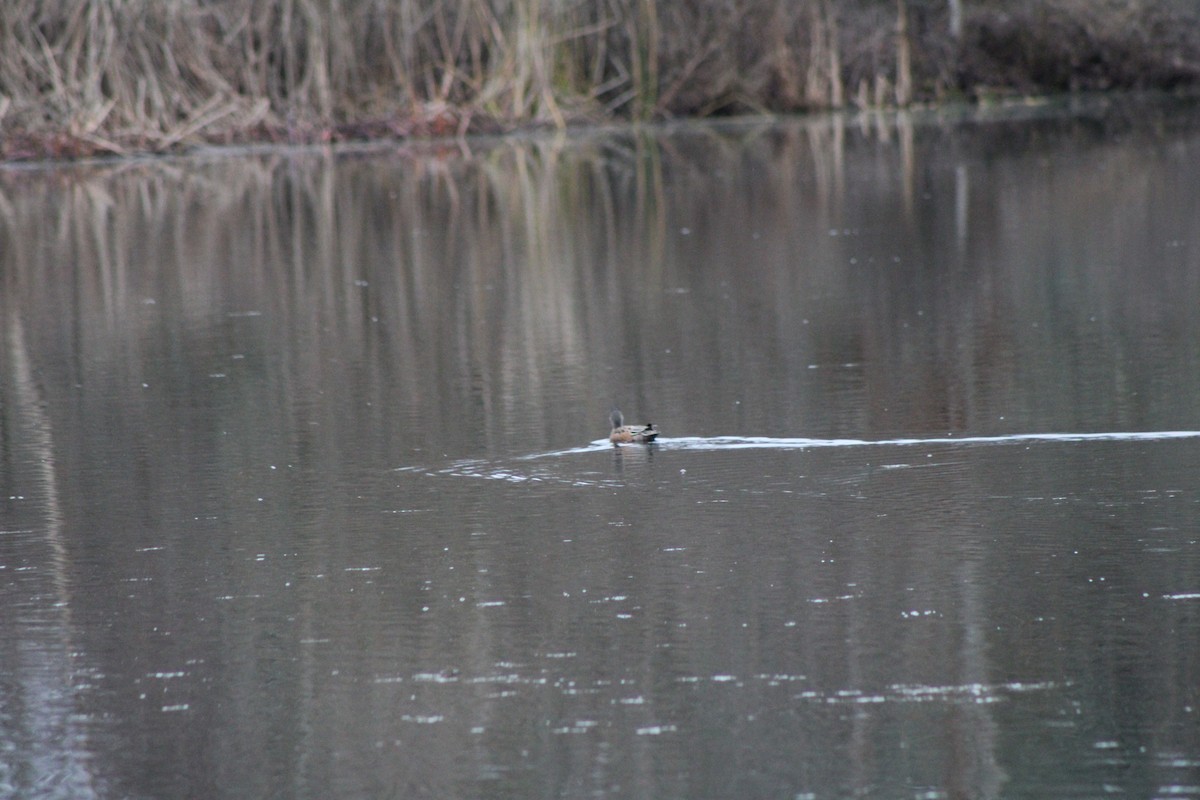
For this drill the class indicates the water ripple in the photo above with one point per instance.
(498, 470)
(768, 442)
(778, 443)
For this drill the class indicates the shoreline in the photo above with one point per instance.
(949, 112)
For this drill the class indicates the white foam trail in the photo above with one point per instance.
(768, 442)
(496, 470)
(777, 443)
(596, 446)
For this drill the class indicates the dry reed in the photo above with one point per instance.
(146, 75)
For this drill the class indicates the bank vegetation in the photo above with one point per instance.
(122, 76)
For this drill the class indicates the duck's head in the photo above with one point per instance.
(617, 419)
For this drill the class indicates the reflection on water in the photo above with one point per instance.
(920, 522)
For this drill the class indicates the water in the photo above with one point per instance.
(305, 491)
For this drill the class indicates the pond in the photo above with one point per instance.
(306, 490)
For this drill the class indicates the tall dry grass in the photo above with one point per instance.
(120, 75)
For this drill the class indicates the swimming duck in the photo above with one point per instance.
(630, 433)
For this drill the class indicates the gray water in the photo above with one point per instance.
(305, 490)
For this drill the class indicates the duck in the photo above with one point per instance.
(622, 433)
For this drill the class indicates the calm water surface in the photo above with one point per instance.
(304, 491)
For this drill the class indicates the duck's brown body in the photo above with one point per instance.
(624, 434)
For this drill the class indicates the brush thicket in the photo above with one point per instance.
(116, 75)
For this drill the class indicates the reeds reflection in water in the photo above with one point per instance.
(508, 297)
